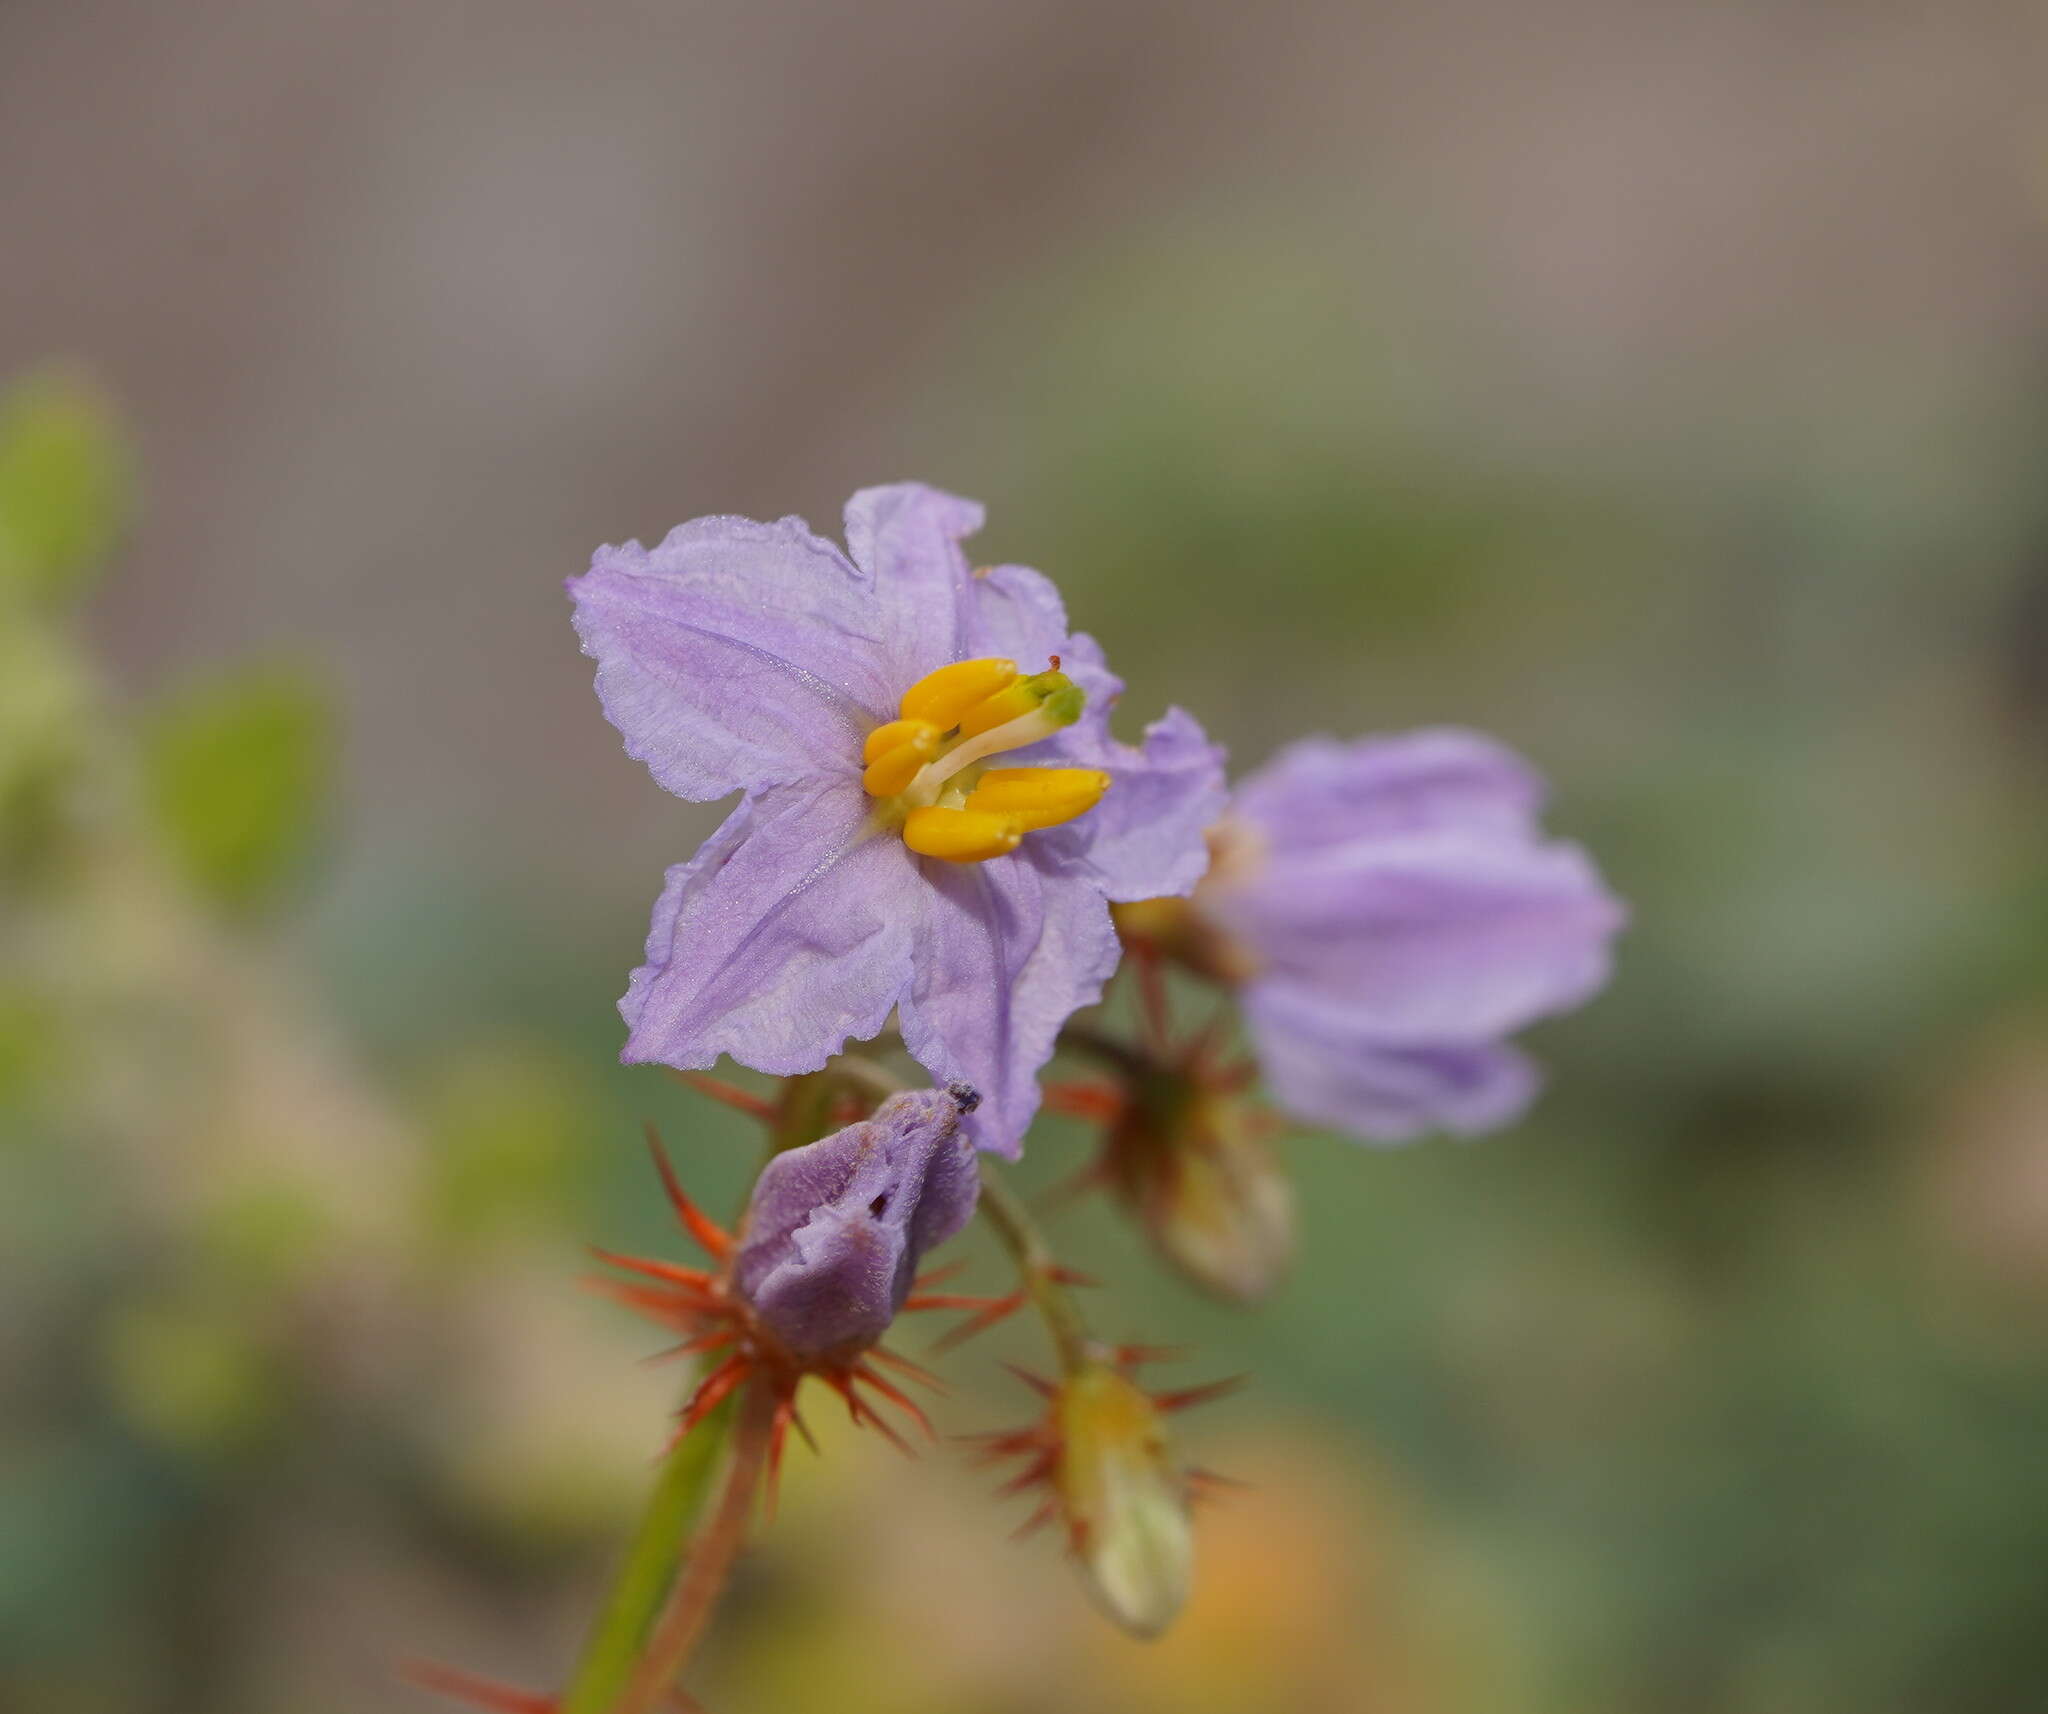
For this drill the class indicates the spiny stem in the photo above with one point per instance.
(704, 1574)
(1003, 1210)
(1085, 1038)
(649, 1570)
(1154, 1008)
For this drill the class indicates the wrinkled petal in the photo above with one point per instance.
(1018, 613)
(1148, 837)
(1011, 948)
(1423, 937)
(906, 539)
(837, 1229)
(1320, 792)
(792, 929)
(735, 654)
(933, 607)
(1324, 1071)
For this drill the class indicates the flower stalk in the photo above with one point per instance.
(695, 1592)
(1044, 1281)
(650, 1569)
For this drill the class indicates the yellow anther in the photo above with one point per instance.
(1051, 694)
(941, 697)
(1039, 797)
(885, 738)
(953, 719)
(893, 771)
(1011, 703)
(961, 835)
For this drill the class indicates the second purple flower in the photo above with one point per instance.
(1392, 912)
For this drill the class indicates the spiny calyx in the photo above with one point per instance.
(922, 766)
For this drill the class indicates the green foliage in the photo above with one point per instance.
(264, 1240)
(195, 1375)
(238, 771)
(506, 1127)
(30, 1042)
(43, 697)
(66, 484)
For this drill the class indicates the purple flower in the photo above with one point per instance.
(1393, 912)
(877, 861)
(836, 1229)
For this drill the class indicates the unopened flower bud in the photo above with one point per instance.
(1173, 928)
(836, 1228)
(1124, 1498)
(1183, 1157)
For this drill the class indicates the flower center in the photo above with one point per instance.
(924, 768)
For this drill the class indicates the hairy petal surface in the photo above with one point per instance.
(794, 928)
(836, 1229)
(735, 654)
(1011, 948)
(1324, 1070)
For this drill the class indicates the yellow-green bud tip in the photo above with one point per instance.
(1125, 1500)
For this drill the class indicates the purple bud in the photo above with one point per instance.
(836, 1229)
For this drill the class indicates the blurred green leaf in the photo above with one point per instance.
(30, 1044)
(507, 1126)
(197, 1377)
(66, 483)
(264, 1240)
(44, 727)
(238, 771)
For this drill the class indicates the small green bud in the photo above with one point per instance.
(1184, 1159)
(1124, 1498)
(66, 484)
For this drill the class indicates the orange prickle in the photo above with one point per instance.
(712, 1238)
(478, 1692)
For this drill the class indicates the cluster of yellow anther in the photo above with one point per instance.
(924, 764)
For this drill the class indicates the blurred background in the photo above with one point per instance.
(1664, 388)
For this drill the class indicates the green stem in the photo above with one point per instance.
(806, 1106)
(1003, 1210)
(650, 1568)
(801, 1112)
(864, 1074)
(687, 1612)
